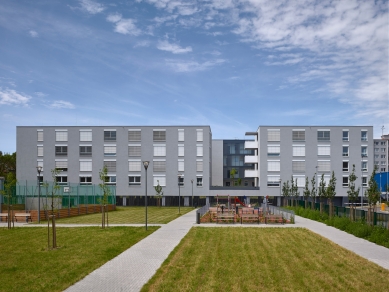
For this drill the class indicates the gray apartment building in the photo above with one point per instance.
(283, 152)
(81, 152)
(381, 152)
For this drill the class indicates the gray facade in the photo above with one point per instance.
(381, 153)
(303, 151)
(81, 152)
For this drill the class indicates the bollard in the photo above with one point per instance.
(198, 217)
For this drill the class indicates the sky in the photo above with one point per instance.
(230, 64)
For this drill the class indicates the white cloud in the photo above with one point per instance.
(192, 66)
(173, 48)
(127, 26)
(114, 17)
(92, 7)
(11, 97)
(142, 44)
(58, 104)
(33, 33)
(40, 94)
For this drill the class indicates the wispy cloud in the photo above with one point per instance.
(33, 33)
(173, 48)
(92, 7)
(11, 97)
(58, 104)
(142, 44)
(123, 25)
(191, 66)
(40, 94)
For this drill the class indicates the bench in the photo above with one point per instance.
(4, 215)
(26, 216)
(249, 217)
(274, 219)
(225, 216)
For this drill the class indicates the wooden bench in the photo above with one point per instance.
(225, 216)
(249, 217)
(274, 219)
(4, 215)
(26, 216)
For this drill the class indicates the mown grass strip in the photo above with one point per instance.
(264, 259)
(27, 265)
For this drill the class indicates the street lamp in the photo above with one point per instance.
(179, 193)
(280, 191)
(192, 191)
(146, 165)
(362, 155)
(39, 169)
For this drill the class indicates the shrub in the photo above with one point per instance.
(380, 235)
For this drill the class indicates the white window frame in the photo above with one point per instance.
(85, 135)
(134, 178)
(199, 150)
(273, 165)
(159, 150)
(298, 150)
(161, 179)
(61, 135)
(323, 150)
(86, 165)
(134, 165)
(181, 165)
(273, 135)
(40, 135)
(181, 135)
(181, 150)
(40, 150)
(199, 165)
(199, 135)
(273, 150)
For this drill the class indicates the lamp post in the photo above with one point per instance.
(146, 165)
(192, 192)
(179, 193)
(362, 155)
(280, 191)
(39, 169)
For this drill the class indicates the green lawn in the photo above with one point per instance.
(27, 265)
(131, 215)
(264, 259)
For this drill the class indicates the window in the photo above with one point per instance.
(298, 150)
(383, 150)
(61, 150)
(61, 135)
(324, 166)
(61, 165)
(110, 180)
(364, 181)
(383, 162)
(345, 181)
(85, 165)
(40, 150)
(323, 135)
(134, 150)
(345, 136)
(383, 156)
(134, 165)
(345, 151)
(181, 180)
(110, 165)
(273, 180)
(181, 135)
(273, 150)
(160, 150)
(40, 135)
(376, 162)
(85, 150)
(273, 165)
(181, 150)
(323, 150)
(61, 180)
(298, 135)
(159, 179)
(273, 135)
(363, 135)
(85, 180)
(382, 170)
(109, 135)
(298, 165)
(199, 181)
(376, 149)
(345, 166)
(376, 143)
(134, 135)
(134, 180)
(364, 151)
(86, 135)
(300, 180)
(364, 166)
(199, 150)
(383, 143)
(181, 165)
(159, 135)
(199, 165)
(109, 150)
(199, 135)
(376, 156)
(237, 160)
(159, 165)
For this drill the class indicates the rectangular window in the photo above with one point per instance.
(298, 150)
(181, 180)
(110, 180)
(382, 163)
(383, 143)
(134, 166)
(323, 135)
(383, 150)
(298, 135)
(323, 150)
(298, 166)
(61, 150)
(273, 135)
(159, 135)
(199, 165)
(61, 180)
(109, 135)
(134, 150)
(383, 169)
(324, 166)
(345, 136)
(345, 165)
(134, 180)
(159, 165)
(181, 135)
(199, 181)
(363, 135)
(383, 156)
(85, 180)
(61, 136)
(159, 179)
(273, 165)
(110, 165)
(86, 135)
(40, 135)
(61, 165)
(345, 151)
(345, 181)
(364, 181)
(109, 150)
(376, 149)
(181, 165)
(199, 137)
(134, 135)
(364, 151)
(85, 150)
(181, 150)
(85, 165)
(199, 150)
(40, 150)
(364, 166)
(160, 150)
(273, 180)
(376, 157)
(273, 150)
(300, 180)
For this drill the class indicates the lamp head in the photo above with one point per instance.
(146, 164)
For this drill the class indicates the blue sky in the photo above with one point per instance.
(230, 64)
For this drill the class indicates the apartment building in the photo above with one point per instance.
(381, 152)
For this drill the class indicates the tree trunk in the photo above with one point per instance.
(306, 203)
(321, 206)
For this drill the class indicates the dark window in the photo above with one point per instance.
(159, 136)
(134, 180)
(109, 135)
(323, 135)
(61, 150)
(85, 150)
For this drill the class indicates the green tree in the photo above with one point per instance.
(7, 193)
(313, 191)
(286, 192)
(7, 164)
(372, 195)
(233, 172)
(306, 192)
(352, 193)
(321, 193)
(331, 193)
(158, 190)
(106, 193)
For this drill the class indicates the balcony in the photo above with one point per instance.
(251, 173)
(251, 145)
(251, 159)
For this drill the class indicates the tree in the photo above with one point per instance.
(55, 201)
(306, 192)
(286, 192)
(331, 193)
(321, 193)
(296, 192)
(9, 188)
(313, 191)
(7, 164)
(373, 196)
(159, 194)
(352, 193)
(233, 172)
(106, 193)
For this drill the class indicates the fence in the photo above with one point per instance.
(287, 214)
(201, 212)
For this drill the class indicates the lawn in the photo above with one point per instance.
(264, 259)
(131, 215)
(27, 265)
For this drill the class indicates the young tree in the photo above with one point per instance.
(292, 188)
(296, 192)
(330, 193)
(306, 192)
(159, 192)
(286, 192)
(373, 196)
(9, 188)
(321, 193)
(233, 172)
(106, 193)
(55, 201)
(352, 193)
(313, 191)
